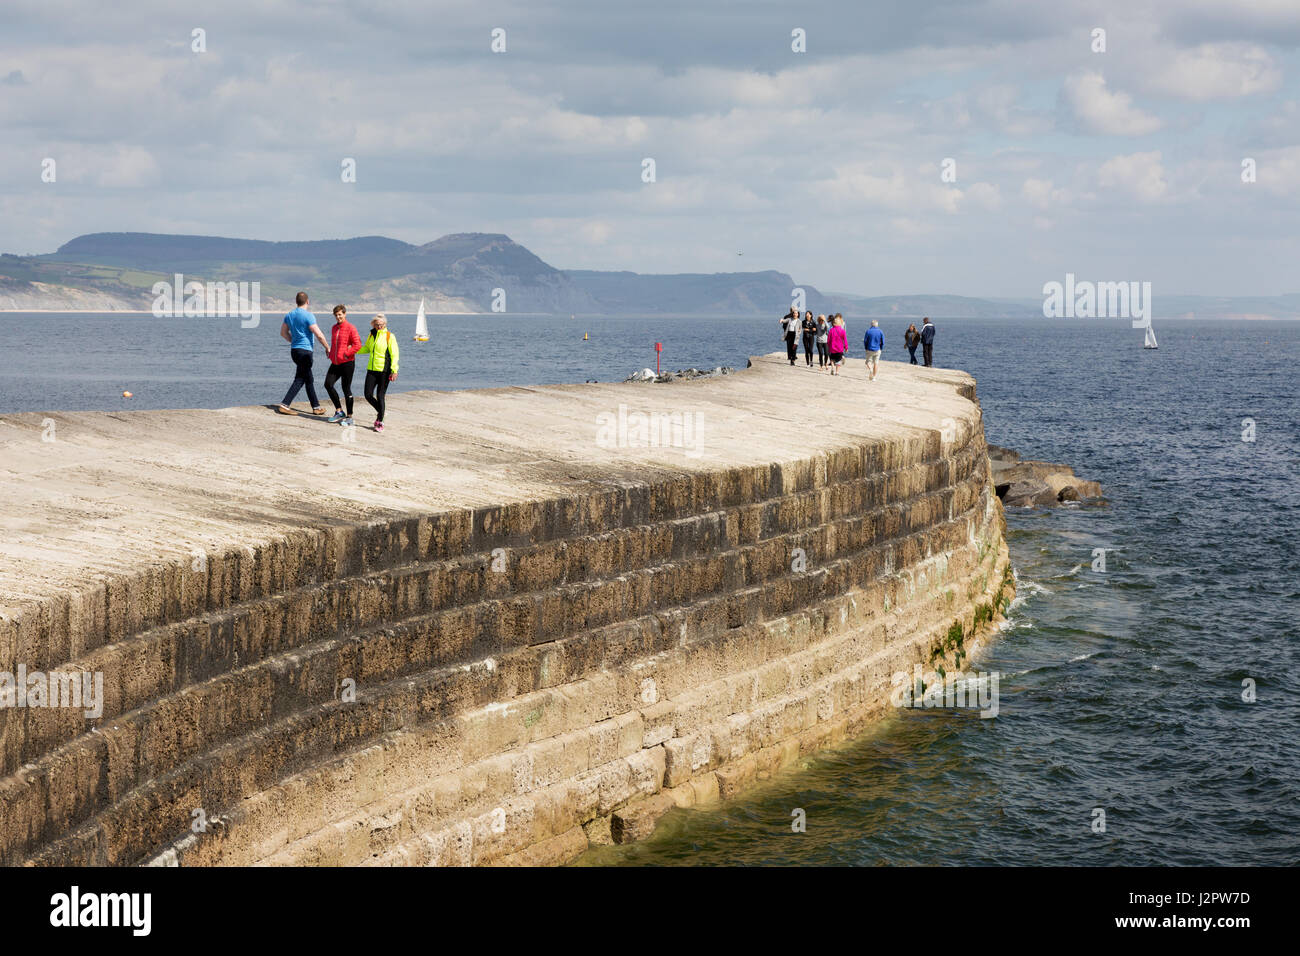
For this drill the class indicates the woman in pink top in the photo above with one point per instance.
(837, 343)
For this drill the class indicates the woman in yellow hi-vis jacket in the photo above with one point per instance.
(381, 346)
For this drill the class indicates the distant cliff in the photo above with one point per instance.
(457, 273)
(116, 271)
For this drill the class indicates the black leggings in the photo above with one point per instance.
(376, 386)
(791, 348)
(807, 348)
(302, 376)
(822, 355)
(340, 373)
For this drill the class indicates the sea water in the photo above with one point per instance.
(1157, 691)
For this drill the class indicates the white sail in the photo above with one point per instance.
(1150, 342)
(421, 326)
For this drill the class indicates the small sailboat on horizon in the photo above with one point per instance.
(1150, 342)
(421, 326)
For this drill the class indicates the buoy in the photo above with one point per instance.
(126, 394)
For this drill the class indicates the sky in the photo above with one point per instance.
(829, 164)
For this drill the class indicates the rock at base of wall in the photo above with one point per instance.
(637, 820)
(1033, 493)
(1036, 484)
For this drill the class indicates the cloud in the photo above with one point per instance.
(1100, 110)
(1277, 172)
(1217, 71)
(1140, 175)
(984, 196)
(866, 185)
(998, 106)
(1042, 194)
(824, 164)
(1263, 21)
(107, 168)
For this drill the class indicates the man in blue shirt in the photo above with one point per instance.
(298, 329)
(874, 341)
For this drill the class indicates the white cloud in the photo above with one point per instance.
(1042, 194)
(127, 166)
(910, 228)
(1217, 71)
(1141, 175)
(698, 193)
(809, 164)
(984, 195)
(861, 184)
(1277, 171)
(567, 128)
(1102, 111)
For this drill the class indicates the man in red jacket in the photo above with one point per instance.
(344, 342)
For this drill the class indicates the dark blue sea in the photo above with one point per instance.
(1120, 690)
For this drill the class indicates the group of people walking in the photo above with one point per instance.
(301, 332)
(831, 340)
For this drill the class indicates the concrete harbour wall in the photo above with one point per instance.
(488, 636)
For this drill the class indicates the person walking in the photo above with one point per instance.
(927, 342)
(298, 329)
(874, 342)
(381, 368)
(837, 343)
(790, 330)
(911, 339)
(344, 342)
(809, 335)
(823, 331)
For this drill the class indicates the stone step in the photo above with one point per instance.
(166, 660)
(69, 623)
(404, 830)
(425, 696)
(802, 648)
(296, 679)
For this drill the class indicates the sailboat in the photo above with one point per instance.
(1150, 342)
(421, 327)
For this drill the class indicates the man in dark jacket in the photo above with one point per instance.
(927, 342)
